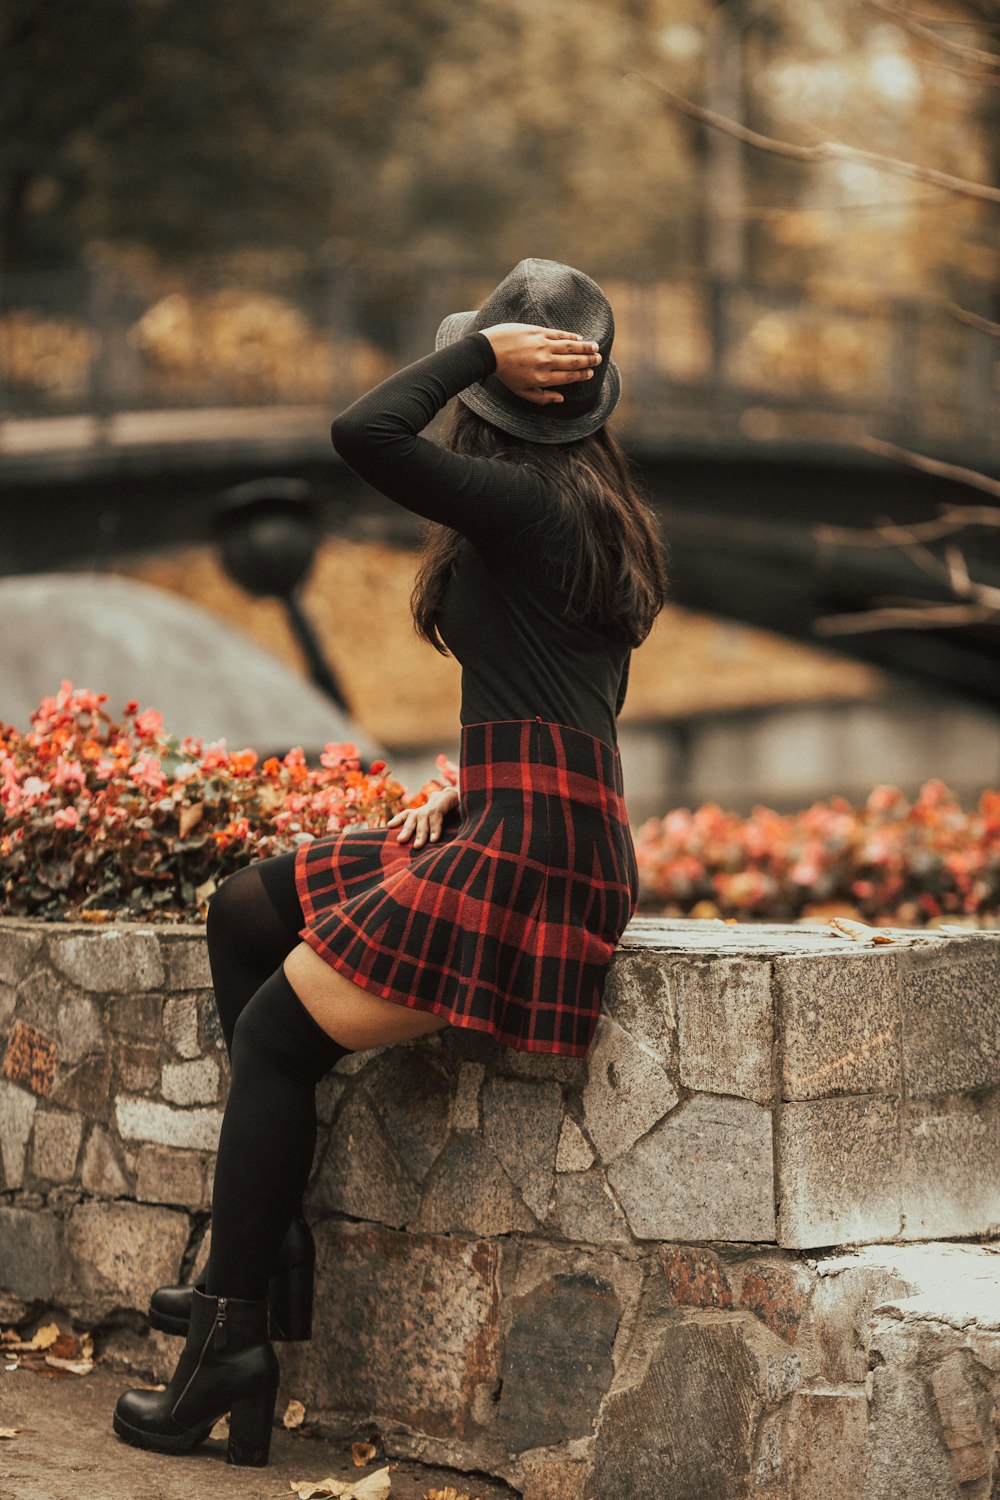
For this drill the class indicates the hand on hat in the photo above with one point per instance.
(531, 360)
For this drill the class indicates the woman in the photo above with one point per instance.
(497, 905)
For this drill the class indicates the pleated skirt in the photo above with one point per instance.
(508, 922)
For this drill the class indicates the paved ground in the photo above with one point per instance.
(67, 1451)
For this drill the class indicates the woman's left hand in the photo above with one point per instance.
(531, 360)
(426, 822)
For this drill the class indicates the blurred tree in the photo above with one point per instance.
(198, 127)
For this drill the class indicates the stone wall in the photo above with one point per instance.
(595, 1278)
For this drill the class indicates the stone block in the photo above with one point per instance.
(838, 1025)
(410, 1089)
(8, 995)
(585, 1210)
(17, 1114)
(469, 1191)
(639, 995)
(149, 1120)
(179, 1178)
(29, 1244)
(85, 1088)
(180, 1026)
(100, 1170)
(951, 1147)
(695, 1276)
(360, 1174)
(521, 1127)
(839, 1171)
(56, 1145)
(194, 1082)
(682, 1426)
(80, 1028)
(137, 1017)
(843, 1302)
(412, 1333)
(465, 1104)
(186, 959)
(20, 948)
(329, 1092)
(557, 1361)
(116, 1253)
(778, 1293)
(907, 1455)
(627, 1090)
(573, 1153)
(828, 1432)
(704, 1173)
(725, 1027)
(31, 1058)
(957, 1399)
(111, 960)
(549, 1476)
(951, 1017)
(38, 998)
(138, 1067)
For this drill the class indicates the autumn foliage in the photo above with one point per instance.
(116, 817)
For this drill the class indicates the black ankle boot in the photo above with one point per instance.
(289, 1293)
(227, 1365)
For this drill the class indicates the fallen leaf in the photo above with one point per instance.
(190, 817)
(66, 1346)
(375, 1486)
(362, 1453)
(295, 1414)
(448, 1493)
(71, 1366)
(9, 1432)
(860, 932)
(45, 1337)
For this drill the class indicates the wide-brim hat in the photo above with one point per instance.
(549, 294)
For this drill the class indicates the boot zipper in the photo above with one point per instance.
(218, 1326)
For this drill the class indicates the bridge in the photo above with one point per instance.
(746, 408)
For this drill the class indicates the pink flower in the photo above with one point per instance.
(146, 772)
(66, 817)
(68, 773)
(149, 723)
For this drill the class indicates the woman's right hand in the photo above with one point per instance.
(531, 359)
(426, 822)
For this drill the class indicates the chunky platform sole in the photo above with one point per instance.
(251, 1422)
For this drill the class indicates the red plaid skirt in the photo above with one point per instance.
(508, 922)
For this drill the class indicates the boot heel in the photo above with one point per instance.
(290, 1302)
(250, 1422)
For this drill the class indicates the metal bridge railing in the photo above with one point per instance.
(705, 361)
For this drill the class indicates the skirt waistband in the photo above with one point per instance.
(534, 755)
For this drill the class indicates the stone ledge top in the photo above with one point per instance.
(714, 937)
(682, 935)
(945, 1282)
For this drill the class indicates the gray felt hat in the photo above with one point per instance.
(549, 294)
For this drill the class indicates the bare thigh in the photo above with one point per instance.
(353, 1017)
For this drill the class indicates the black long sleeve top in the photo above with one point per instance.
(501, 614)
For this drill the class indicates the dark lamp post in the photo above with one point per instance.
(267, 533)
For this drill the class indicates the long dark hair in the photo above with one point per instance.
(603, 544)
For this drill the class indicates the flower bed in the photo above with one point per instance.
(104, 817)
(890, 862)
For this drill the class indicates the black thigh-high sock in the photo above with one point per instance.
(253, 923)
(268, 1137)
